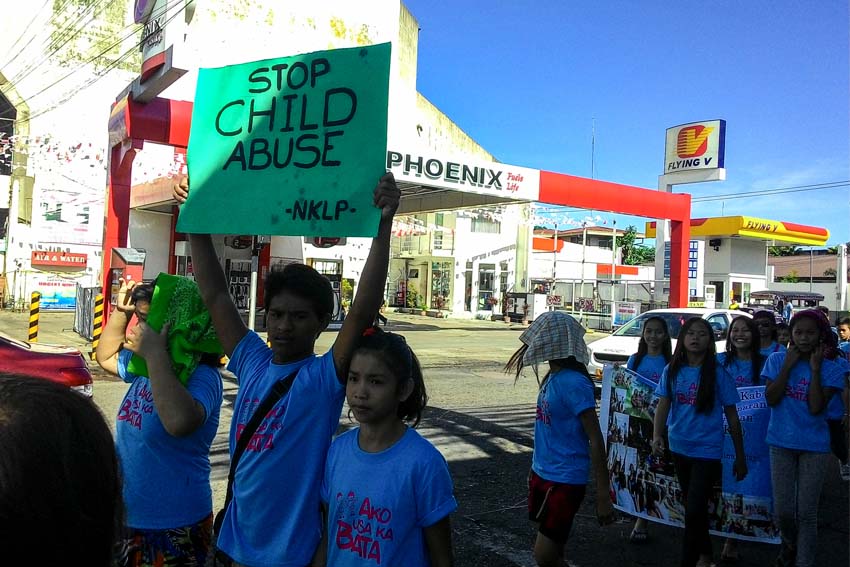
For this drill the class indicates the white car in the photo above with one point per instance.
(624, 341)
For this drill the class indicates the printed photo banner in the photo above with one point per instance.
(290, 146)
(645, 486)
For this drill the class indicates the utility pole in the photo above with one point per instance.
(811, 266)
(555, 255)
(613, 267)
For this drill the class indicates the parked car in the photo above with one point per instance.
(624, 341)
(64, 365)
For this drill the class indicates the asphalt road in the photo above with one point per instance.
(483, 423)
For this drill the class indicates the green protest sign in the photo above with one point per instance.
(289, 146)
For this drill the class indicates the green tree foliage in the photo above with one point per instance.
(634, 254)
(93, 31)
(792, 277)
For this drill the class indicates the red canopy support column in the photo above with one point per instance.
(131, 124)
(680, 236)
(117, 221)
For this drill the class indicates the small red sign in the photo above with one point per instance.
(60, 259)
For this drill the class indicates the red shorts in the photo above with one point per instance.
(553, 506)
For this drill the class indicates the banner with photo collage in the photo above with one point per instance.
(645, 486)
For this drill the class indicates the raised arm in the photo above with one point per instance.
(213, 284)
(113, 333)
(370, 291)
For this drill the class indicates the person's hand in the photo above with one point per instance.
(792, 356)
(816, 358)
(604, 510)
(146, 342)
(387, 196)
(739, 469)
(658, 446)
(180, 189)
(124, 302)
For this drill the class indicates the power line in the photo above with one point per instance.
(126, 33)
(24, 32)
(56, 10)
(57, 41)
(127, 54)
(765, 192)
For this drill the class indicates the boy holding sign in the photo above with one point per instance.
(274, 516)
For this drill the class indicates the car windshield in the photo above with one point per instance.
(674, 321)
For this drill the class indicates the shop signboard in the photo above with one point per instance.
(464, 174)
(57, 294)
(625, 311)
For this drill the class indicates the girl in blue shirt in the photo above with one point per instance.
(766, 322)
(742, 360)
(800, 383)
(690, 388)
(387, 490)
(654, 352)
(567, 436)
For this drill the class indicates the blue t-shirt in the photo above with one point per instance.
(561, 446)
(274, 519)
(835, 410)
(791, 424)
(166, 479)
(379, 503)
(691, 433)
(650, 367)
(772, 348)
(739, 371)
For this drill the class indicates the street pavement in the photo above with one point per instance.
(482, 421)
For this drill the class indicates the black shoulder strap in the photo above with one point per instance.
(278, 391)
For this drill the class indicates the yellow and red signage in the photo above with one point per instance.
(699, 145)
(59, 259)
(754, 227)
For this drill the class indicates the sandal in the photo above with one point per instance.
(638, 536)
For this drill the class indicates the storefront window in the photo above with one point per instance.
(441, 277)
(486, 286)
(328, 267)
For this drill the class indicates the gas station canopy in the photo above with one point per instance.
(752, 227)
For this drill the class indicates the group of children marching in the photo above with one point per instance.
(805, 383)
(381, 494)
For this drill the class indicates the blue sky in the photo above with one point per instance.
(526, 79)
